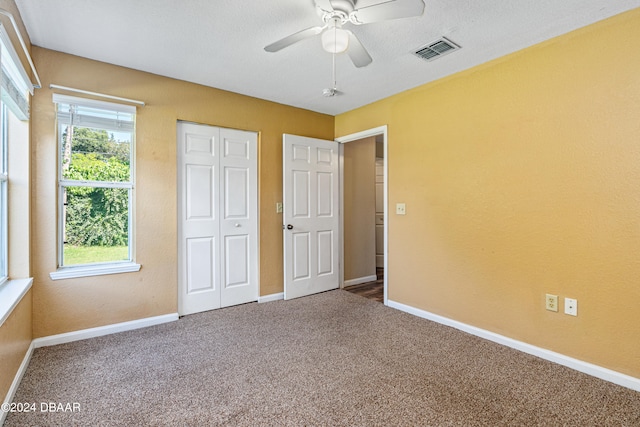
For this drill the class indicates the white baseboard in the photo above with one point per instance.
(272, 297)
(103, 330)
(16, 381)
(579, 365)
(359, 280)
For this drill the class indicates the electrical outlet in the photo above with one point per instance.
(401, 209)
(279, 207)
(571, 306)
(551, 302)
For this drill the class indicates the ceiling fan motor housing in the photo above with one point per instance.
(342, 10)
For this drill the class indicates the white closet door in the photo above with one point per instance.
(238, 223)
(217, 217)
(198, 228)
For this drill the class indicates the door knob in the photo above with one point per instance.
(289, 226)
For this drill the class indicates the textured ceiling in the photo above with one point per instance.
(220, 43)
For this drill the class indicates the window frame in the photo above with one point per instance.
(4, 195)
(96, 268)
(15, 87)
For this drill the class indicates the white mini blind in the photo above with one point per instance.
(95, 114)
(15, 85)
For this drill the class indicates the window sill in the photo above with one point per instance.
(94, 270)
(11, 293)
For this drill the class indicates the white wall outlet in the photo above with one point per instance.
(551, 302)
(401, 209)
(279, 207)
(571, 306)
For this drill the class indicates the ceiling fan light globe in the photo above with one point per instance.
(335, 40)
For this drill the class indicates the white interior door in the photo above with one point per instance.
(217, 217)
(311, 215)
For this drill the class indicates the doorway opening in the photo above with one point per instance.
(363, 171)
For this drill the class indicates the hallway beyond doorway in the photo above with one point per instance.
(371, 290)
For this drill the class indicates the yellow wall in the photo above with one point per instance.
(359, 208)
(521, 177)
(68, 305)
(15, 339)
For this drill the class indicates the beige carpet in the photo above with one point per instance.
(333, 359)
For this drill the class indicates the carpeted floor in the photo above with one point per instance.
(333, 359)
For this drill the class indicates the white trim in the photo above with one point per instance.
(96, 184)
(11, 293)
(579, 365)
(380, 130)
(94, 270)
(363, 134)
(84, 334)
(360, 280)
(272, 297)
(16, 380)
(25, 83)
(24, 49)
(94, 103)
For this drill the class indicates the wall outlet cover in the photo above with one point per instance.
(571, 306)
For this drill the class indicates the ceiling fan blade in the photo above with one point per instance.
(358, 54)
(392, 9)
(324, 5)
(293, 38)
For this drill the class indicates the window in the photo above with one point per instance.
(96, 182)
(14, 92)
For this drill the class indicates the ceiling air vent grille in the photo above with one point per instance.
(436, 49)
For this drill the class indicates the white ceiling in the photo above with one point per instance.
(220, 43)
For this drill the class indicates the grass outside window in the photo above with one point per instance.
(75, 255)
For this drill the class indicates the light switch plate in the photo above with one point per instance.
(401, 209)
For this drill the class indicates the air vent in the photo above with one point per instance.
(436, 49)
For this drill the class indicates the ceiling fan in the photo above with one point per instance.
(336, 13)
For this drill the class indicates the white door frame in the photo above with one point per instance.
(381, 130)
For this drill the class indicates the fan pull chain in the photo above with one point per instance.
(334, 70)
